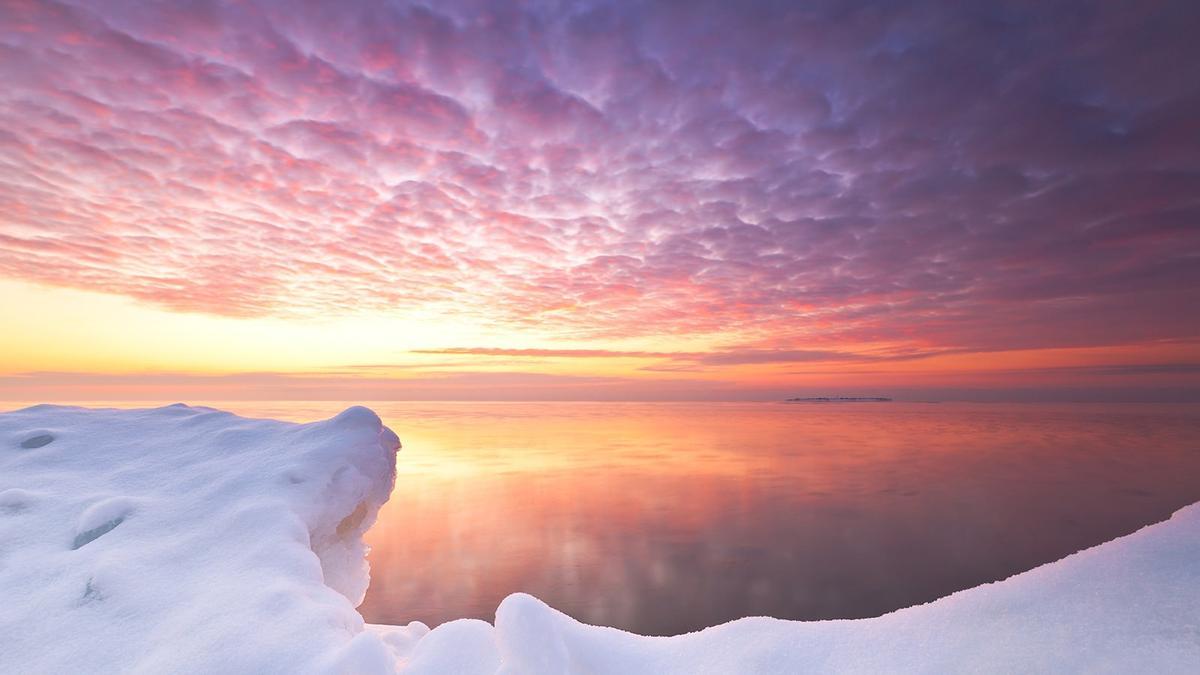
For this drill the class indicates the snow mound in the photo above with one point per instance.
(187, 540)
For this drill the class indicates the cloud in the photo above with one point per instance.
(721, 357)
(776, 356)
(555, 353)
(934, 174)
(1120, 369)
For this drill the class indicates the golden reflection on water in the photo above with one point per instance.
(663, 518)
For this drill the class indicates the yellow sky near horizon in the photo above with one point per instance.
(55, 330)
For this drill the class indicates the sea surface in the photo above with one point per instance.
(663, 518)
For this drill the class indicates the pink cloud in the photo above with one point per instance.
(809, 177)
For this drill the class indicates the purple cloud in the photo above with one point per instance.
(937, 174)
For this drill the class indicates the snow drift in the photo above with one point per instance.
(190, 540)
(186, 540)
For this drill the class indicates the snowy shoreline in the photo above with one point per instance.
(183, 539)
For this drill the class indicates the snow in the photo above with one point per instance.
(188, 540)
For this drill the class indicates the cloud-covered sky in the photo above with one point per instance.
(693, 186)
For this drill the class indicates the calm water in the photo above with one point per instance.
(665, 518)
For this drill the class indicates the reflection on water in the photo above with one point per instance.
(665, 518)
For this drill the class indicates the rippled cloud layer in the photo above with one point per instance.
(929, 175)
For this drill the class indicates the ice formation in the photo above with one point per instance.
(189, 540)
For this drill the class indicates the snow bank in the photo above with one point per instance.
(188, 540)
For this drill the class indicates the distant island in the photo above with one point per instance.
(839, 399)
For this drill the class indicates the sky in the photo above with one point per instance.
(550, 200)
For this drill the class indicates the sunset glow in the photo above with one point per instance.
(371, 201)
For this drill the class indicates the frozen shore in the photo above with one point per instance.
(185, 539)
